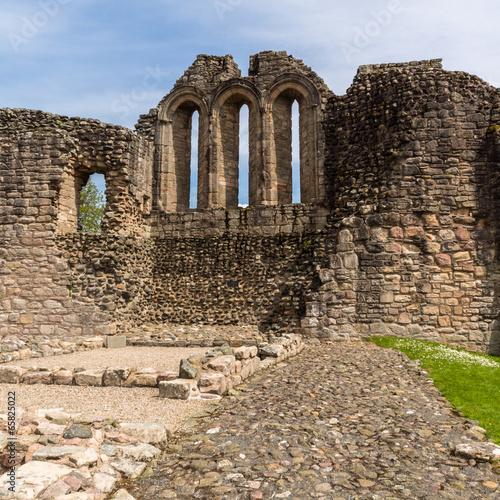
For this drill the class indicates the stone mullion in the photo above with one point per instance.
(166, 162)
(256, 188)
(213, 138)
(308, 170)
(269, 179)
(179, 175)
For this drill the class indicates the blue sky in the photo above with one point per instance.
(113, 60)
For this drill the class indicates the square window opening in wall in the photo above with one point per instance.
(81, 202)
(92, 204)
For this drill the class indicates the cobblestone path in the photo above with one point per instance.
(346, 421)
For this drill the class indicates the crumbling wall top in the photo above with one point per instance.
(427, 64)
(269, 65)
(209, 71)
(18, 121)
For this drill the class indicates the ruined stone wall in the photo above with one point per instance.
(254, 266)
(400, 236)
(44, 161)
(113, 273)
(410, 163)
(257, 221)
(236, 279)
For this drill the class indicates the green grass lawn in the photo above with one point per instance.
(469, 381)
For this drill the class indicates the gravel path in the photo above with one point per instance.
(348, 421)
(159, 358)
(127, 405)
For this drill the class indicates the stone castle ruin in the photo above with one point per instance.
(396, 232)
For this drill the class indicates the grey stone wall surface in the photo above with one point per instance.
(412, 162)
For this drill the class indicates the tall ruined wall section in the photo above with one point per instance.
(398, 235)
(44, 161)
(227, 265)
(413, 174)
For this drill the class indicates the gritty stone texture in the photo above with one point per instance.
(11, 374)
(129, 468)
(326, 425)
(213, 383)
(122, 495)
(187, 370)
(32, 478)
(141, 452)
(126, 404)
(177, 389)
(77, 431)
(148, 433)
(484, 452)
(116, 341)
(55, 452)
(104, 482)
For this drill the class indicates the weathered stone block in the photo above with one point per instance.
(178, 389)
(62, 377)
(482, 452)
(140, 451)
(38, 378)
(90, 378)
(187, 370)
(131, 469)
(145, 379)
(386, 297)
(116, 341)
(56, 452)
(115, 377)
(33, 477)
(11, 374)
(104, 482)
(166, 376)
(242, 352)
(271, 351)
(85, 458)
(213, 383)
(223, 364)
(147, 433)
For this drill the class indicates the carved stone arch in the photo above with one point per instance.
(173, 149)
(287, 89)
(229, 99)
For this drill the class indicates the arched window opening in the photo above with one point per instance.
(244, 158)
(282, 124)
(91, 202)
(294, 148)
(194, 170)
(178, 175)
(296, 197)
(237, 152)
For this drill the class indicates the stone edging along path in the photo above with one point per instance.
(15, 348)
(217, 372)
